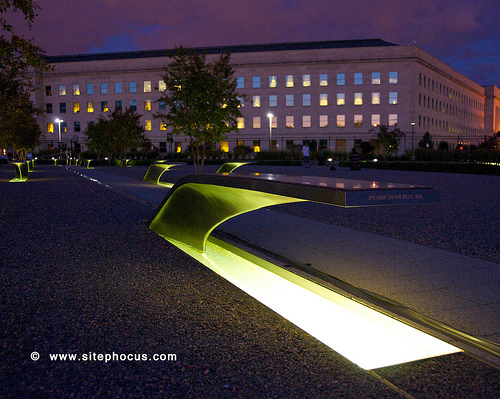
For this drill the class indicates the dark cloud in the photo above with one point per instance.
(462, 33)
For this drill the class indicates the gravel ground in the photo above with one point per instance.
(83, 275)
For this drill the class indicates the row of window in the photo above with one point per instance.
(306, 122)
(105, 87)
(90, 106)
(446, 108)
(427, 122)
(323, 99)
(446, 91)
(305, 81)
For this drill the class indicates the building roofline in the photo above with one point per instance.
(246, 48)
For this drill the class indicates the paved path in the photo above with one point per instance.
(458, 290)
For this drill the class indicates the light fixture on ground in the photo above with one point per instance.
(59, 121)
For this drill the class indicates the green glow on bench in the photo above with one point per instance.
(229, 167)
(193, 210)
(21, 169)
(361, 334)
(155, 171)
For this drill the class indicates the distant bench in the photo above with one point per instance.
(198, 203)
(156, 170)
(21, 169)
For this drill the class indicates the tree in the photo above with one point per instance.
(117, 134)
(389, 140)
(18, 126)
(201, 99)
(426, 141)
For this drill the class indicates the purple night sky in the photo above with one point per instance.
(462, 33)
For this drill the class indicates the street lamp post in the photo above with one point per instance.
(270, 116)
(58, 121)
(412, 124)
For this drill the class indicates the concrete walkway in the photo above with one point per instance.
(454, 289)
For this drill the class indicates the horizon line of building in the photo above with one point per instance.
(334, 92)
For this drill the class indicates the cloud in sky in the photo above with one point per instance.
(462, 33)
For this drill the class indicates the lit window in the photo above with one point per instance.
(76, 90)
(162, 86)
(306, 121)
(306, 80)
(340, 98)
(224, 146)
(147, 105)
(393, 78)
(273, 100)
(240, 82)
(62, 108)
(62, 90)
(256, 82)
(256, 146)
(323, 120)
(375, 120)
(289, 100)
(118, 105)
(340, 120)
(341, 79)
(104, 88)
(323, 79)
(90, 88)
(393, 97)
(76, 108)
(358, 120)
(256, 101)
(323, 100)
(256, 122)
(147, 124)
(132, 87)
(358, 98)
(375, 78)
(289, 80)
(163, 126)
(50, 127)
(90, 107)
(48, 90)
(48, 108)
(375, 98)
(241, 101)
(289, 120)
(393, 119)
(147, 86)
(104, 106)
(306, 100)
(133, 105)
(273, 81)
(118, 88)
(240, 122)
(358, 78)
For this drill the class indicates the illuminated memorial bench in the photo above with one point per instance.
(21, 169)
(198, 203)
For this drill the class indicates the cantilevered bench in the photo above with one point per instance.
(198, 203)
(21, 168)
(156, 170)
(229, 167)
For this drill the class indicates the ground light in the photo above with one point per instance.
(361, 334)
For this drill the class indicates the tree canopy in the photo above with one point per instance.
(201, 99)
(19, 129)
(117, 134)
(389, 140)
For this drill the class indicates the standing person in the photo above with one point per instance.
(305, 153)
(355, 162)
